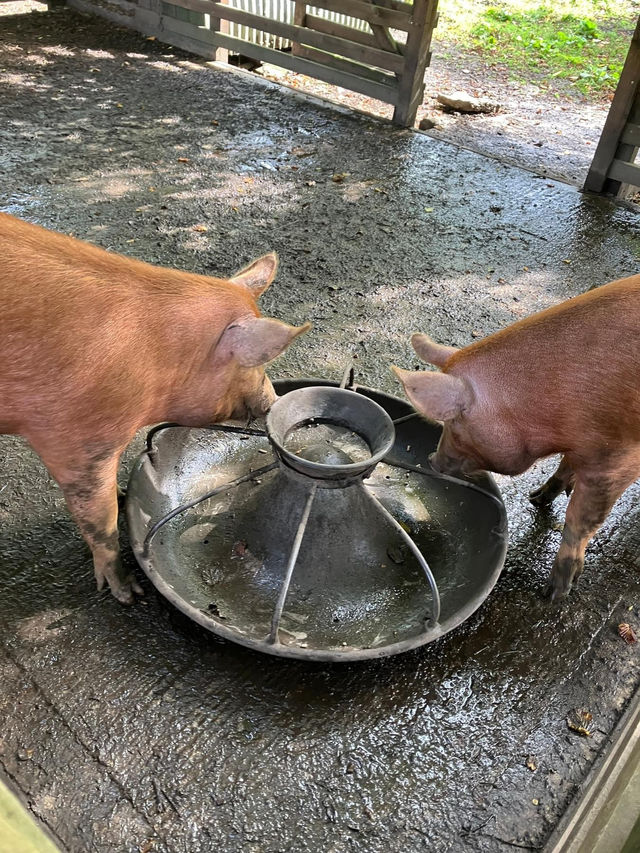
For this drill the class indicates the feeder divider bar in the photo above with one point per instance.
(293, 557)
(435, 605)
(210, 494)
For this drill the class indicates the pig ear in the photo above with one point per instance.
(430, 351)
(258, 340)
(436, 395)
(258, 275)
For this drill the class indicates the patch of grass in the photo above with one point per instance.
(578, 43)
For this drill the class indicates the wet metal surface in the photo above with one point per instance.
(125, 726)
(357, 591)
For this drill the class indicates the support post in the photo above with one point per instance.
(300, 20)
(624, 108)
(219, 25)
(411, 83)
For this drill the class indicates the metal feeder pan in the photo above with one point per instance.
(356, 590)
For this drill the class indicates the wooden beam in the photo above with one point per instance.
(625, 173)
(345, 65)
(300, 20)
(373, 14)
(411, 84)
(324, 25)
(220, 24)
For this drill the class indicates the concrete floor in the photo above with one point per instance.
(133, 729)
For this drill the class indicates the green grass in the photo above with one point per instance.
(569, 45)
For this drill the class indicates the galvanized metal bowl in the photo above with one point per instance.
(294, 560)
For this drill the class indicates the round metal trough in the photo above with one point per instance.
(324, 536)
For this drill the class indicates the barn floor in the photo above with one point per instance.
(134, 729)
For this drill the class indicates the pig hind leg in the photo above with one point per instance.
(561, 481)
(594, 495)
(90, 490)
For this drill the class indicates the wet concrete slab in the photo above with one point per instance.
(134, 729)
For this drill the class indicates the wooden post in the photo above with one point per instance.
(625, 107)
(300, 20)
(218, 25)
(416, 55)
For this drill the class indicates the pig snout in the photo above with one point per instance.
(261, 402)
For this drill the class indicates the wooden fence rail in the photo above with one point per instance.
(383, 55)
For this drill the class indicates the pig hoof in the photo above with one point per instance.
(563, 575)
(542, 496)
(125, 591)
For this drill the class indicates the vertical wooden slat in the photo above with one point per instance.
(416, 55)
(219, 25)
(623, 106)
(300, 20)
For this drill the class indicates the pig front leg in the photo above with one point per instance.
(90, 490)
(561, 481)
(593, 497)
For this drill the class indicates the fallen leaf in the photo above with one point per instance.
(531, 764)
(339, 177)
(627, 633)
(183, 159)
(578, 721)
(202, 228)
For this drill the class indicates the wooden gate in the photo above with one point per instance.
(383, 56)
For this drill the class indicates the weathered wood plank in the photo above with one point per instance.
(625, 173)
(396, 5)
(302, 35)
(631, 135)
(623, 100)
(300, 20)
(220, 24)
(372, 89)
(370, 13)
(345, 65)
(332, 28)
(411, 84)
(166, 29)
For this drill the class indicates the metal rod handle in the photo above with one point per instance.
(448, 478)
(435, 595)
(210, 494)
(284, 589)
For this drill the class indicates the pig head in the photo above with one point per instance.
(565, 380)
(95, 346)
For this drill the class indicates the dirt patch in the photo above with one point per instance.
(550, 134)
